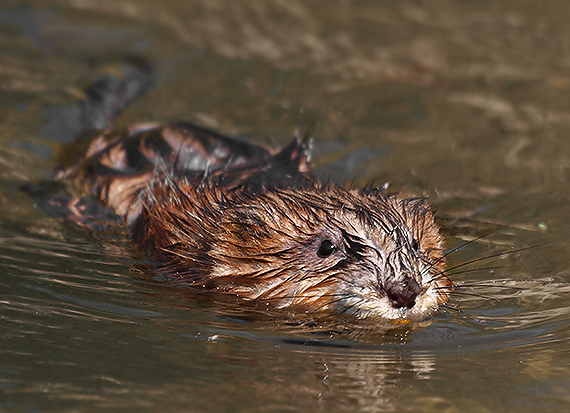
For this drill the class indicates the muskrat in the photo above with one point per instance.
(215, 212)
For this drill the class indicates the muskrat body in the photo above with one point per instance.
(214, 212)
(218, 213)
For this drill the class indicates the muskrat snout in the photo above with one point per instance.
(402, 293)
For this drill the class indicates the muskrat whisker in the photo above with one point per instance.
(445, 287)
(482, 284)
(466, 243)
(440, 275)
(447, 307)
(458, 287)
(499, 254)
(492, 283)
(447, 253)
(463, 293)
(477, 269)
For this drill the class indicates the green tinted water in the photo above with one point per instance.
(465, 102)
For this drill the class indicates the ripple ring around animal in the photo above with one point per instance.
(217, 213)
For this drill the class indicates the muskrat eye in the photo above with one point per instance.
(326, 249)
(415, 245)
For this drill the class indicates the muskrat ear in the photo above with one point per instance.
(298, 153)
(417, 206)
(376, 191)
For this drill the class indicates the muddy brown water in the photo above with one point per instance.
(467, 103)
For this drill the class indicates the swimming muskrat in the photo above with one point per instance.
(214, 212)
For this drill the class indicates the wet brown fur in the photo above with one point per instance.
(236, 225)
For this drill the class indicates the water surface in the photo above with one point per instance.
(466, 103)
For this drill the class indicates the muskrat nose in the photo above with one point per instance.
(402, 293)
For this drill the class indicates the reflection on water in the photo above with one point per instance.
(464, 103)
(111, 308)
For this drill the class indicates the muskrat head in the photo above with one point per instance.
(333, 250)
(320, 249)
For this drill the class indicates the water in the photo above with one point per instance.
(465, 102)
